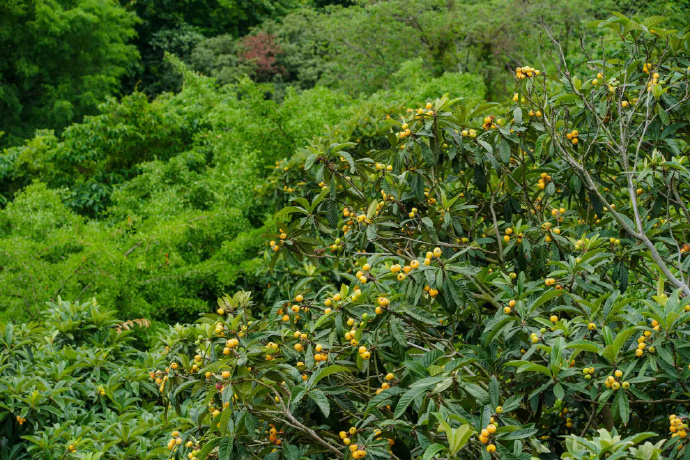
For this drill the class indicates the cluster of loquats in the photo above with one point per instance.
(175, 440)
(356, 450)
(491, 122)
(275, 246)
(613, 382)
(486, 434)
(678, 426)
(573, 136)
(544, 179)
(472, 133)
(274, 434)
(526, 72)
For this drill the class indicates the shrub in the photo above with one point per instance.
(74, 387)
(483, 286)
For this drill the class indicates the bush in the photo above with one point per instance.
(74, 387)
(486, 285)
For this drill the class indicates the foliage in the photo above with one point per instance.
(60, 59)
(434, 277)
(177, 26)
(260, 51)
(161, 213)
(528, 307)
(357, 48)
(74, 387)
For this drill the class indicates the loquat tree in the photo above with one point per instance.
(470, 280)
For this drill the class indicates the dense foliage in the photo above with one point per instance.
(418, 273)
(58, 60)
(151, 206)
(75, 381)
(487, 284)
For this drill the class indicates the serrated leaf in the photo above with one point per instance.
(494, 391)
(225, 417)
(624, 407)
(517, 115)
(427, 154)
(225, 449)
(309, 161)
(398, 332)
(332, 213)
(432, 450)
(406, 399)
(371, 232)
(480, 177)
(325, 372)
(504, 151)
(321, 400)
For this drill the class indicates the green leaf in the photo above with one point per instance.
(321, 400)
(348, 158)
(309, 161)
(622, 278)
(289, 210)
(610, 352)
(432, 450)
(460, 437)
(545, 297)
(540, 144)
(535, 368)
(494, 391)
(208, 447)
(332, 213)
(383, 396)
(398, 332)
(406, 399)
(225, 449)
(417, 185)
(183, 387)
(494, 328)
(480, 177)
(371, 232)
(623, 406)
(512, 403)
(325, 372)
(517, 115)
(291, 452)
(427, 154)
(519, 434)
(225, 417)
(504, 151)
(372, 209)
(584, 345)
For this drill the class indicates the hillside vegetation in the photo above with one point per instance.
(370, 230)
